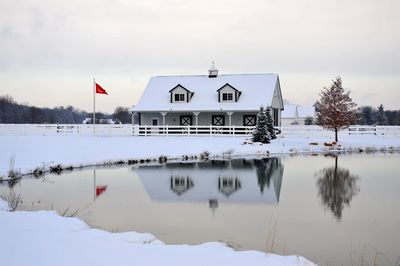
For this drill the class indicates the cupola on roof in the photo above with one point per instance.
(213, 71)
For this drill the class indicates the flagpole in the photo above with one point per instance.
(94, 107)
(94, 185)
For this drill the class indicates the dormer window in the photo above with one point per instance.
(228, 93)
(180, 94)
(227, 96)
(179, 97)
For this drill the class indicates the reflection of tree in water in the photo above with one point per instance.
(265, 169)
(336, 187)
(11, 183)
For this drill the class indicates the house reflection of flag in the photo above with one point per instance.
(100, 190)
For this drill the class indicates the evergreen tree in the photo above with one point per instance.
(367, 115)
(393, 117)
(335, 108)
(261, 133)
(381, 116)
(270, 124)
(122, 114)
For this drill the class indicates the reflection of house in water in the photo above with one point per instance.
(228, 185)
(180, 184)
(214, 181)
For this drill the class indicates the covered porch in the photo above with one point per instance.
(196, 123)
(199, 122)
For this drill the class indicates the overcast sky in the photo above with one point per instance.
(50, 51)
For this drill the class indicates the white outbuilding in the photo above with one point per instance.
(294, 114)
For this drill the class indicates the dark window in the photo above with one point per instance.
(186, 120)
(275, 115)
(179, 97)
(249, 120)
(218, 120)
(227, 96)
(155, 122)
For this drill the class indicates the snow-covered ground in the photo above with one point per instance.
(36, 151)
(45, 238)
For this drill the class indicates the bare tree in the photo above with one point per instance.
(335, 109)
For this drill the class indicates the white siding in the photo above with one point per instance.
(276, 99)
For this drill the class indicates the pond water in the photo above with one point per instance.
(332, 210)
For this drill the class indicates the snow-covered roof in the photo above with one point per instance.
(304, 112)
(257, 90)
(289, 111)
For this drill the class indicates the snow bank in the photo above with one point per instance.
(45, 238)
(35, 151)
(3, 205)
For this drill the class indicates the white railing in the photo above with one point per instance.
(136, 130)
(66, 129)
(193, 130)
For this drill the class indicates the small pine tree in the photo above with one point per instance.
(261, 133)
(270, 124)
(381, 116)
(335, 109)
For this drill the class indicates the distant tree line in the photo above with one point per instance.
(368, 115)
(12, 112)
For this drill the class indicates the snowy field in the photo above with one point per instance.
(45, 238)
(37, 151)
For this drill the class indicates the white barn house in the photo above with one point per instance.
(209, 100)
(297, 115)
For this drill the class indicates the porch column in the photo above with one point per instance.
(163, 118)
(196, 114)
(230, 122)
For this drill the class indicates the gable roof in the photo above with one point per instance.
(179, 86)
(296, 111)
(229, 85)
(290, 111)
(305, 112)
(238, 92)
(257, 90)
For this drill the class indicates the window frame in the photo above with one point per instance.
(179, 97)
(181, 117)
(249, 116)
(227, 96)
(217, 116)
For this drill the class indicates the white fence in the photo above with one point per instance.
(66, 129)
(136, 130)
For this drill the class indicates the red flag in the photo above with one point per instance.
(100, 190)
(100, 90)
